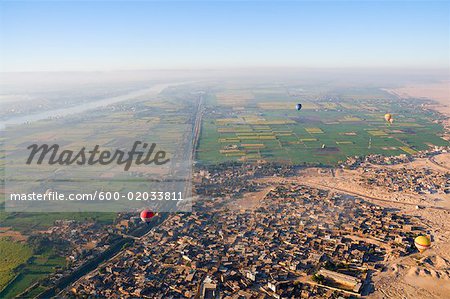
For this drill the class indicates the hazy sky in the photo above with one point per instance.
(113, 35)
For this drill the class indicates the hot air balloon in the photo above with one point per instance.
(388, 117)
(298, 107)
(147, 215)
(422, 243)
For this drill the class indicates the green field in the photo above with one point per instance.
(324, 132)
(37, 267)
(28, 222)
(12, 255)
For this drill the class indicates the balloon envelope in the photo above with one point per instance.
(422, 243)
(147, 215)
(298, 106)
(387, 116)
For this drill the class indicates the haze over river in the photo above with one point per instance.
(15, 120)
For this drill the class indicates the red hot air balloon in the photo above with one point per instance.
(147, 215)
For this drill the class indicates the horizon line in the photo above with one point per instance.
(445, 68)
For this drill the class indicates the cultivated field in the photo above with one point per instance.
(264, 125)
(13, 254)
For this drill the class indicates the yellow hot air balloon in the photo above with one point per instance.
(388, 117)
(422, 243)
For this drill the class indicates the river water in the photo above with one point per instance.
(16, 120)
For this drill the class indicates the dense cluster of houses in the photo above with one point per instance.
(416, 180)
(275, 250)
